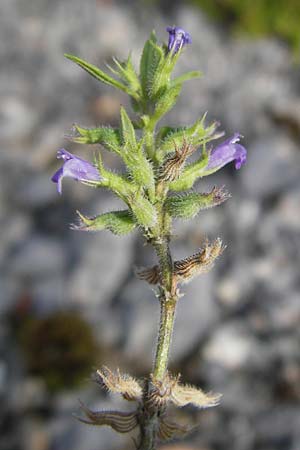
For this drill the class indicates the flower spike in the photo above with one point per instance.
(158, 169)
(74, 167)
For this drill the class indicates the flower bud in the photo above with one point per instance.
(178, 38)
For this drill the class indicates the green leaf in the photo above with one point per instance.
(97, 73)
(151, 57)
(161, 79)
(127, 129)
(187, 206)
(190, 174)
(133, 156)
(195, 135)
(143, 210)
(163, 132)
(165, 103)
(118, 184)
(118, 222)
(108, 137)
(141, 170)
(186, 76)
(126, 71)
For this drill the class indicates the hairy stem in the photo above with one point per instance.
(167, 316)
(150, 417)
(168, 299)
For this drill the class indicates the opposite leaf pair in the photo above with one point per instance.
(162, 393)
(228, 151)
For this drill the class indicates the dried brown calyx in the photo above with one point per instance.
(172, 167)
(118, 383)
(170, 390)
(188, 268)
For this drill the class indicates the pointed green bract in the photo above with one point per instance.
(143, 210)
(108, 137)
(126, 71)
(96, 72)
(127, 129)
(118, 222)
(140, 206)
(165, 102)
(118, 184)
(185, 77)
(161, 79)
(139, 167)
(151, 57)
(99, 74)
(133, 156)
(189, 175)
(196, 135)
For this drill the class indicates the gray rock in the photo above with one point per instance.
(49, 293)
(35, 191)
(69, 431)
(279, 426)
(231, 346)
(3, 376)
(246, 213)
(140, 322)
(104, 261)
(39, 256)
(234, 287)
(17, 119)
(10, 290)
(16, 227)
(286, 111)
(197, 312)
(273, 165)
(243, 395)
(288, 211)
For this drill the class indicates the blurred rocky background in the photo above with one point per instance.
(69, 301)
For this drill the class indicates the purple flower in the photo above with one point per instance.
(226, 152)
(177, 38)
(74, 167)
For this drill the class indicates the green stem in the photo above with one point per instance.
(168, 300)
(167, 316)
(150, 418)
(149, 141)
(168, 296)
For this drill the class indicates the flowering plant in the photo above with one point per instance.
(157, 169)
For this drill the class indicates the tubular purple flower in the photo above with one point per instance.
(229, 150)
(177, 39)
(74, 167)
